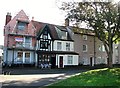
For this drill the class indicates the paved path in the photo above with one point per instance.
(35, 78)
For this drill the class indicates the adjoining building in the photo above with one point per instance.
(19, 40)
(29, 42)
(55, 46)
(91, 50)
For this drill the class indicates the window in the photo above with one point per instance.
(61, 34)
(27, 42)
(64, 34)
(27, 39)
(84, 48)
(45, 32)
(44, 44)
(20, 54)
(84, 37)
(45, 36)
(19, 44)
(59, 45)
(68, 46)
(19, 41)
(101, 48)
(21, 25)
(27, 55)
(70, 60)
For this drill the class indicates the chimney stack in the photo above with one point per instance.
(8, 18)
(66, 22)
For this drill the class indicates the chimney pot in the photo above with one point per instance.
(8, 13)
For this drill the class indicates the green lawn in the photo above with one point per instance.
(93, 78)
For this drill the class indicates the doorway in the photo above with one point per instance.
(53, 61)
(91, 62)
(61, 62)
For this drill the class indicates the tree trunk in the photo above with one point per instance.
(109, 60)
(110, 55)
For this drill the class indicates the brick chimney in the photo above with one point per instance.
(66, 22)
(8, 18)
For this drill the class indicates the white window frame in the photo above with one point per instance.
(67, 46)
(59, 45)
(69, 60)
(27, 59)
(20, 59)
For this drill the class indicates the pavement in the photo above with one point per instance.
(34, 77)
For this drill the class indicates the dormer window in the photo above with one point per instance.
(64, 34)
(21, 25)
(61, 33)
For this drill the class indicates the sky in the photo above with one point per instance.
(42, 10)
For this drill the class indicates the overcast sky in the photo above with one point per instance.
(42, 10)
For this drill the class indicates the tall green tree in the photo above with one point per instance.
(102, 17)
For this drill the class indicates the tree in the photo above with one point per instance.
(102, 17)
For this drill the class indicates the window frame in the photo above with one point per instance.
(69, 60)
(20, 25)
(59, 45)
(19, 52)
(26, 55)
(85, 49)
(67, 46)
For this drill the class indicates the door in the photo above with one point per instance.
(61, 62)
(19, 58)
(53, 61)
(91, 61)
(27, 57)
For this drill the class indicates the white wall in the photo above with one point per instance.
(63, 45)
(65, 60)
(75, 60)
(115, 53)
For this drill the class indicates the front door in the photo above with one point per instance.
(61, 62)
(19, 58)
(27, 57)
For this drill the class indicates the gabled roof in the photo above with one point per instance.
(21, 16)
(52, 29)
(40, 27)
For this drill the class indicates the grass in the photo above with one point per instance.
(109, 78)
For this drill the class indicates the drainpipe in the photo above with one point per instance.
(94, 51)
(13, 54)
